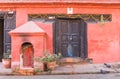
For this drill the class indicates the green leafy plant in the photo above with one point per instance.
(48, 60)
(7, 54)
(7, 59)
(37, 70)
(48, 57)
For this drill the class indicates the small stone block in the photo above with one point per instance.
(26, 72)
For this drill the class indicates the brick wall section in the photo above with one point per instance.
(62, 1)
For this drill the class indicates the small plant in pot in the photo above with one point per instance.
(49, 60)
(6, 60)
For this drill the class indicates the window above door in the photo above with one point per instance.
(89, 18)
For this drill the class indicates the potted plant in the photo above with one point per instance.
(51, 60)
(7, 59)
(48, 60)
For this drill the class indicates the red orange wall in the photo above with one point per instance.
(103, 41)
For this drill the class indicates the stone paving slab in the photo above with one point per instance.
(4, 70)
(76, 69)
(86, 68)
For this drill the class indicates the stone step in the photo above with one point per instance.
(29, 71)
(74, 60)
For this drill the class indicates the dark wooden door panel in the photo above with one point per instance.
(9, 24)
(63, 36)
(1, 38)
(76, 50)
(70, 37)
(74, 38)
(64, 50)
(7, 38)
(83, 41)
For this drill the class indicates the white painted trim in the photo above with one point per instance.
(69, 10)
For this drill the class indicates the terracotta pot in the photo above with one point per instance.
(51, 65)
(7, 62)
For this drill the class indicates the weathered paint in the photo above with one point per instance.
(21, 35)
(103, 41)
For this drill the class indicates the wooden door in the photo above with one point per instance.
(28, 56)
(69, 37)
(9, 24)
